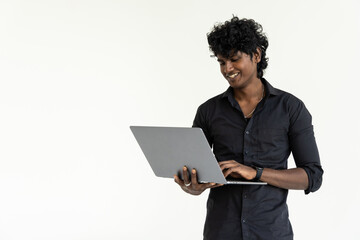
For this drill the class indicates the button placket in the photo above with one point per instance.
(247, 139)
(246, 144)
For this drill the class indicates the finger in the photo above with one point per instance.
(216, 185)
(178, 181)
(226, 162)
(211, 185)
(223, 167)
(194, 177)
(228, 165)
(227, 172)
(185, 175)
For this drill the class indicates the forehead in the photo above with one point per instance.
(232, 54)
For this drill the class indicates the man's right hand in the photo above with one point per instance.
(192, 186)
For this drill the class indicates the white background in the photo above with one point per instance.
(75, 74)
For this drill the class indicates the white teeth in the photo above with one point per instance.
(233, 75)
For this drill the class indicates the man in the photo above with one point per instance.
(252, 128)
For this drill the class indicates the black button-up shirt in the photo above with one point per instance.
(280, 125)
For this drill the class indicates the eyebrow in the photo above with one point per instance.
(230, 57)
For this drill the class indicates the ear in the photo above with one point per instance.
(257, 55)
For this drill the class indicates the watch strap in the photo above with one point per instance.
(259, 171)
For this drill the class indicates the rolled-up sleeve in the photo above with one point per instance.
(303, 144)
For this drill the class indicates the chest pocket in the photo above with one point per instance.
(272, 145)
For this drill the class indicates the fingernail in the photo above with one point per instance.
(184, 168)
(193, 171)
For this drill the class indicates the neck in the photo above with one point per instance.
(251, 92)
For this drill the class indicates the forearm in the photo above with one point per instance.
(295, 178)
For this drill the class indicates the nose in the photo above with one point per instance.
(228, 67)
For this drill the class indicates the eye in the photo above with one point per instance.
(234, 59)
(221, 63)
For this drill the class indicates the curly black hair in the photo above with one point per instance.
(244, 35)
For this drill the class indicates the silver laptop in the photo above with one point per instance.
(168, 149)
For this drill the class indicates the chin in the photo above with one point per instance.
(235, 84)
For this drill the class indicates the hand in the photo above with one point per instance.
(194, 188)
(237, 170)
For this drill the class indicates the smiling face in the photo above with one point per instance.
(239, 69)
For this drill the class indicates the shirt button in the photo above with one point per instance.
(245, 196)
(244, 221)
(246, 152)
(247, 132)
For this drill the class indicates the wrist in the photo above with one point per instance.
(253, 174)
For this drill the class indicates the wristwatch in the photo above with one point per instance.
(259, 171)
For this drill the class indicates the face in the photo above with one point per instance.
(239, 69)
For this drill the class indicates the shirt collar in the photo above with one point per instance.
(270, 90)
